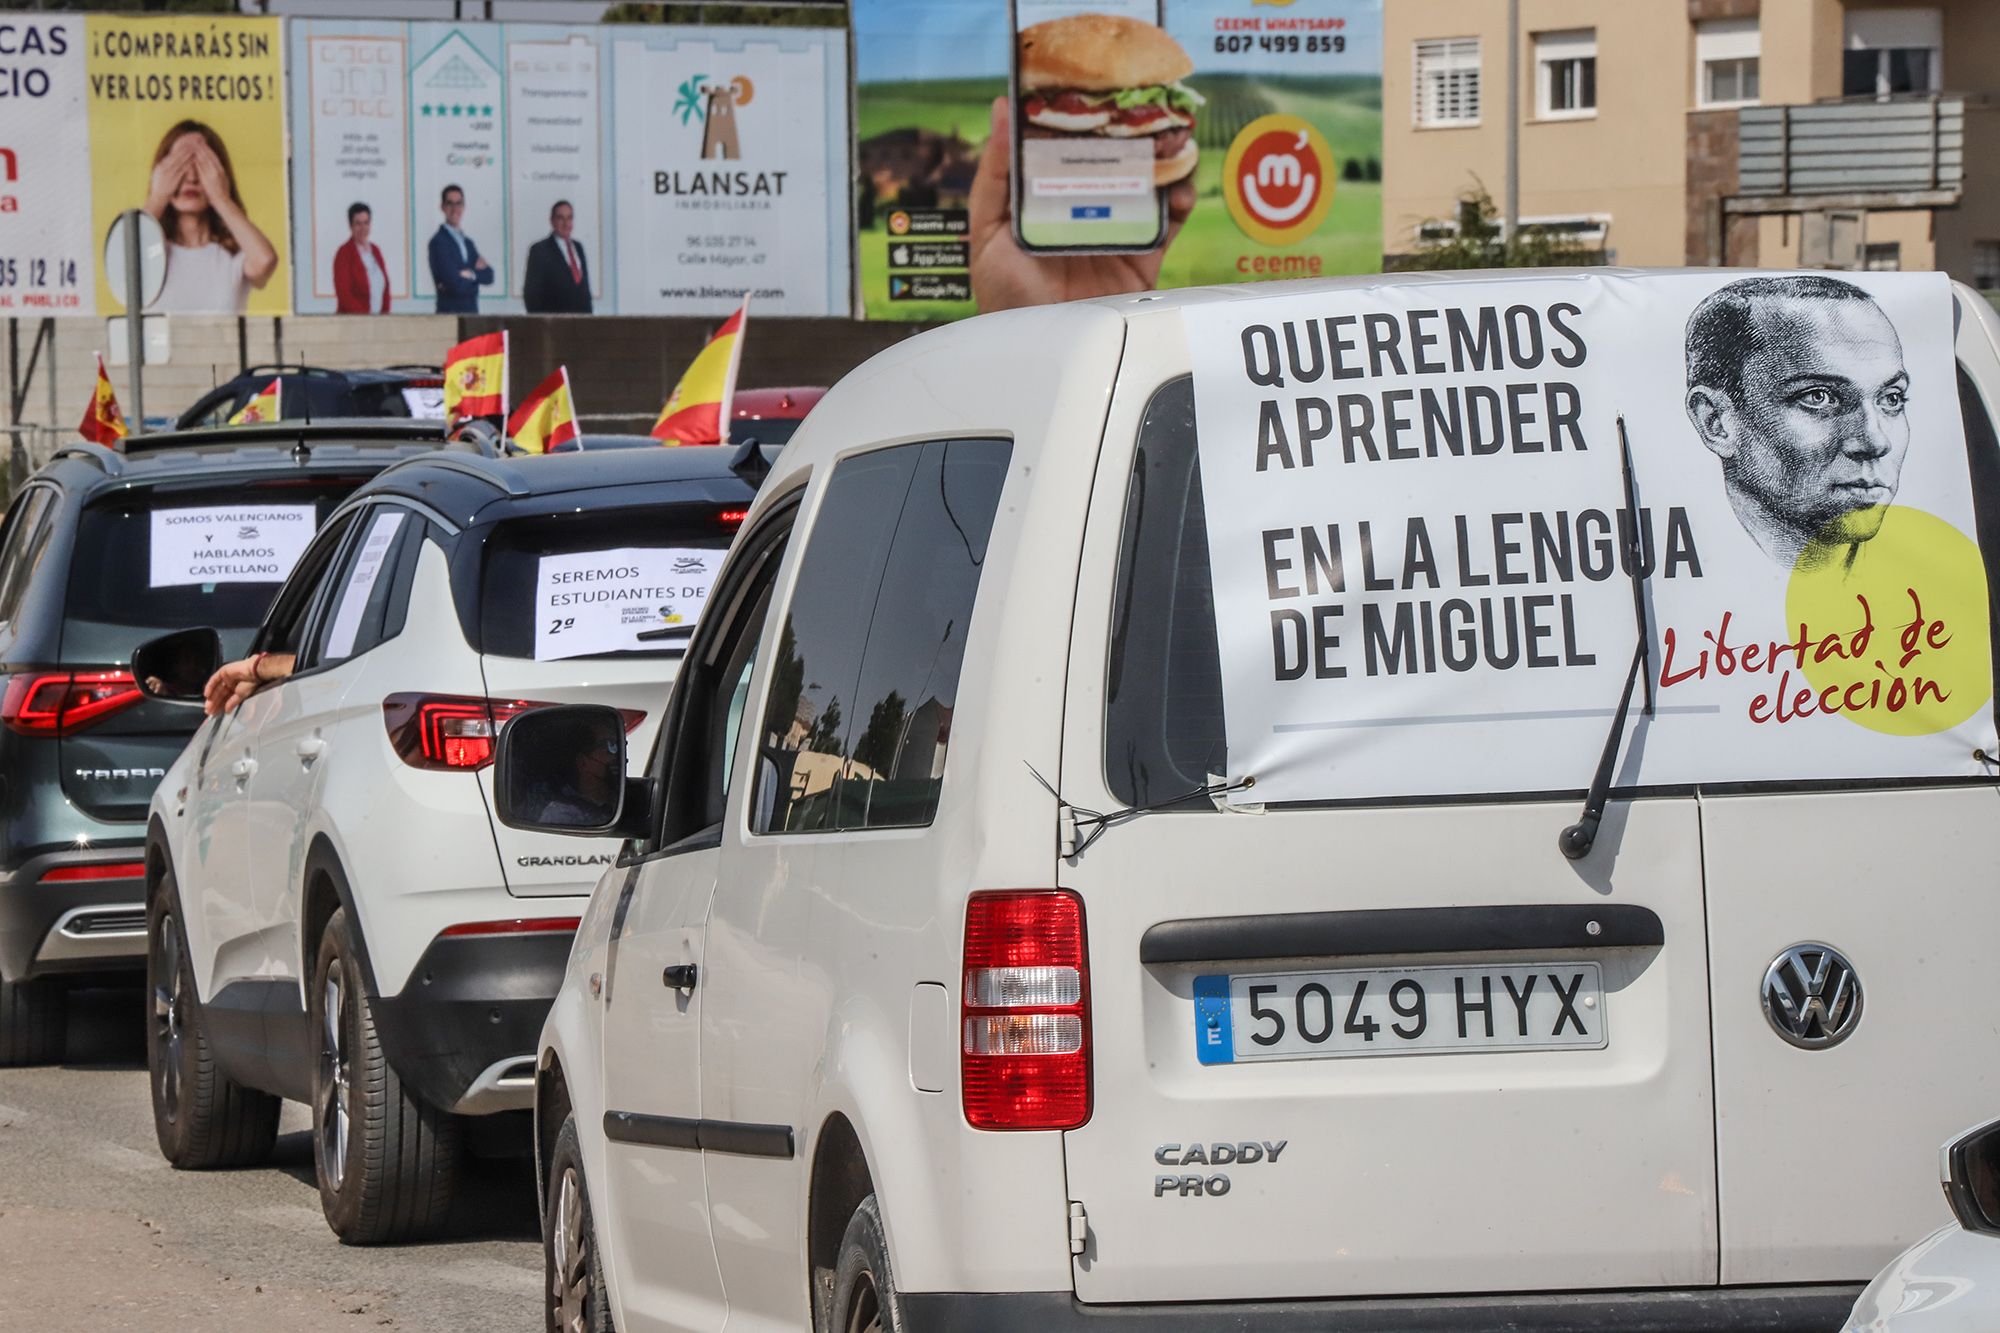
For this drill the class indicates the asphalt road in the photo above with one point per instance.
(98, 1233)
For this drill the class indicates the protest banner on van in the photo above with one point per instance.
(1292, 99)
(45, 238)
(187, 121)
(1423, 554)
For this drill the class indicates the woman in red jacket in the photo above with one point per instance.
(360, 278)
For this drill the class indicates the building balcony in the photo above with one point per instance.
(1862, 154)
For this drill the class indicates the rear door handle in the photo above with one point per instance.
(680, 976)
(309, 748)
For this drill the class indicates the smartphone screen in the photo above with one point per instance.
(1103, 123)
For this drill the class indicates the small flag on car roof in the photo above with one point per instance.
(475, 378)
(102, 422)
(697, 411)
(548, 417)
(264, 406)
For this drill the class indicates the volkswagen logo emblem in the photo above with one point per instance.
(1812, 996)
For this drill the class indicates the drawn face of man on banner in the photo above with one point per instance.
(1797, 384)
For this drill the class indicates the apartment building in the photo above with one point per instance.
(1816, 133)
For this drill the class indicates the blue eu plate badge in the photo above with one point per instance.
(1213, 1044)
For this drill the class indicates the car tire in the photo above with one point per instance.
(864, 1288)
(387, 1163)
(202, 1117)
(576, 1300)
(34, 1026)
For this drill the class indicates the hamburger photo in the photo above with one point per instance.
(1104, 76)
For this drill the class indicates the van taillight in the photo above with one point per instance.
(1025, 1012)
(456, 731)
(56, 703)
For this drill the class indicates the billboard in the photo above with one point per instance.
(45, 236)
(1291, 103)
(545, 169)
(186, 121)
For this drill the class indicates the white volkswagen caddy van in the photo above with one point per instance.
(1396, 803)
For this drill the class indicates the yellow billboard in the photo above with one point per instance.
(187, 121)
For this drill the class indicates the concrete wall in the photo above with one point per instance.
(203, 350)
(627, 366)
(617, 365)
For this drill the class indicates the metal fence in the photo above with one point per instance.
(1912, 149)
(24, 447)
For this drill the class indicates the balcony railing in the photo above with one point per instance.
(1895, 154)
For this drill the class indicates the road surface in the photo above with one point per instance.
(98, 1233)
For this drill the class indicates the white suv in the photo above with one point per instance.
(1310, 1002)
(334, 917)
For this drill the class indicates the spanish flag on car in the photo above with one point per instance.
(102, 422)
(547, 418)
(263, 407)
(475, 378)
(697, 411)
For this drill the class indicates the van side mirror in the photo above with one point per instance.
(175, 668)
(562, 770)
(1971, 1171)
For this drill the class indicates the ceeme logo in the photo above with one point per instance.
(1277, 179)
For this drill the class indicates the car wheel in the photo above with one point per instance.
(864, 1290)
(201, 1116)
(577, 1300)
(387, 1163)
(33, 1026)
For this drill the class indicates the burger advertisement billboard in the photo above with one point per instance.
(1260, 121)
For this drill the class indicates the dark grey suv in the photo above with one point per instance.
(101, 551)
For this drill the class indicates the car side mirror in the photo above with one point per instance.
(175, 668)
(1970, 1165)
(562, 770)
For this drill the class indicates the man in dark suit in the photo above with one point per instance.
(558, 281)
(457, 271)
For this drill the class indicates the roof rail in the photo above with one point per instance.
(285, 368)
(498, 479)
(413, 429)
(109, 460)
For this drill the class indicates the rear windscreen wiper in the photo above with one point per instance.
(665, 632)
(1577, 840)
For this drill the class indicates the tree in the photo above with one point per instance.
(825, 734)
(1476, 242)
(878, 744)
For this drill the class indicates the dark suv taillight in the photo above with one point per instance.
(1024, 1062)
(56, 703)
(456, 731)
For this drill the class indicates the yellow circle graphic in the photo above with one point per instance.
(1893, 630)
(1277, 179)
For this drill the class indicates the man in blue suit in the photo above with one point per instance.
(457, 271)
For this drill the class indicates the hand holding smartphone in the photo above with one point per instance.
(1102, 125)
